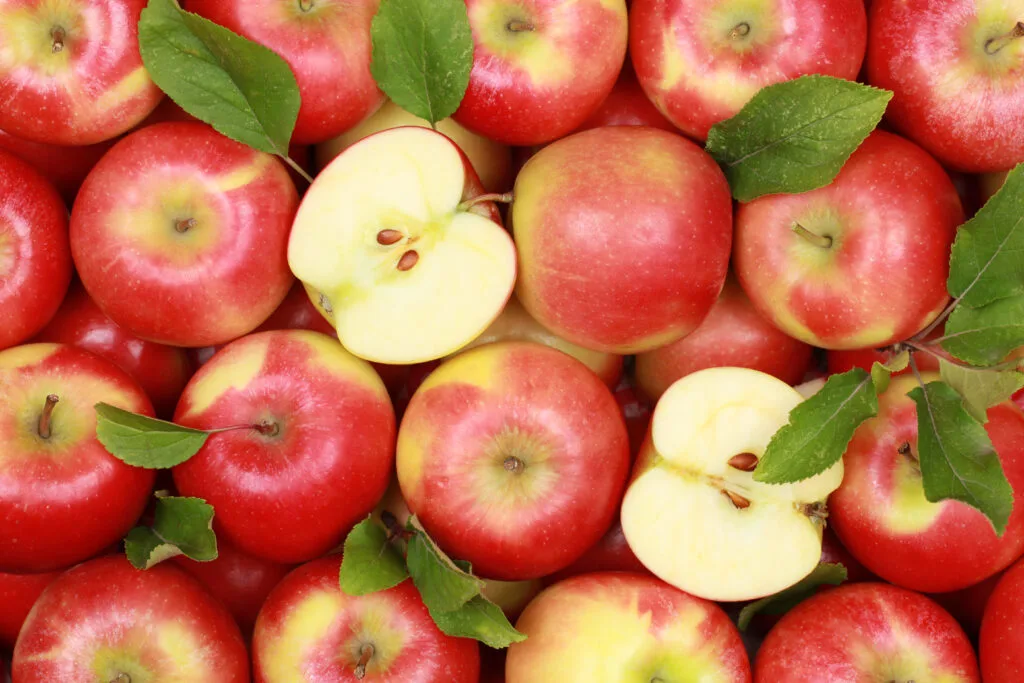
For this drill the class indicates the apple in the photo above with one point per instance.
(18, 592)
(511, 596)
(990, 183)
(65, 167)
(491, 160)
(611, 553)
(700, 61)
(967, 605)
(179, 235)
(513, 456)
(733, 334)
(395, 245)
(823, 266)
(1001, 643)
(624, 627)
(35, 257)
(636, 410)
(63, 497)
(840, 361)
(623, 235)
(881, 515)
(309, 630)
(693, 514)
(71, 72)
(833, 552)
(961, 97)
(107, 622)
(628, 105)
(540, 67)
(866, 632)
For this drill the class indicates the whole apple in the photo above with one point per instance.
(65, 167)
(967, 605)
(627, 105)
(1001, 644)
(18, 593)
(611, 553)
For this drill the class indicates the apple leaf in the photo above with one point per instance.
(957, 458)
(444, 585)
(985, 335)
(143, 441)
(819, 429)
(881, 373)
(795, 136)
(244, 90)
(825, 574)
(370, 562)
(987, 261)
(981, 388)
(480, 619)
(181, 526)
(422, 55)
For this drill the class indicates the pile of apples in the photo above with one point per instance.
(544, 328)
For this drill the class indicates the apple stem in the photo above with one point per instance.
(518, 26)
(306, 5)
(817, 240)
(43, 427)
(504, 198)
(408, 260)
(746, 462)
(994, 45)
(388, 237)
(365, 655)
(183, 225)
(513, 465)
(739, 501)
(740, 30)
(267, 428)
(298, 169)
(58, 35)
(945, 357)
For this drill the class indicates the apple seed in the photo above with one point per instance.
(745, 462)
(408, 260)
(388, 237)
(739, 501)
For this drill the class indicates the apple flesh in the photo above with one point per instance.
(1001, 643)
(693, 514)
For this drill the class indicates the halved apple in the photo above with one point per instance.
(390, 244)
(694, 515)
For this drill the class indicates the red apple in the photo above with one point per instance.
(700, 61)
(317, 458)
(623, 235)
(309, 630)
(507, 468)
(955, 69)
(967, 605)
(180, 235)
(627, 105)
(63, 497)
(35, 258)
(18, 592)
(881, 515)
(106, 621)
(733, 334)
(1001, 643)
(624, 627)
(833, 552)
(866, 632)
(611, 553)
(70, 70)
(840, 361)
(540, 67)
(636, 411)
(65, 167)
(824, 266)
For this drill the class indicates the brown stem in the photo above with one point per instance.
(746, 462)
(740, 30)
(815, 239)
(518, 26)
(183, 225)
(408, 260)
(365, 655)
(43, 427)
(388, 237)
(267, 428)
(994, 45)
(306, 5)
(513, 465)
(58, 35)
(502, 198)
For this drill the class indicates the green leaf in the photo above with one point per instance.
(825, 574)
(480, 619)
(979, 388)
(181, 526)
(987, 262)
(443, 584)
(985, 335)
(958, 461)
(796, 135)
(881, 373)
(370, 562)
(241, 88)
(145, 441)
(422, 55)
(819, 429)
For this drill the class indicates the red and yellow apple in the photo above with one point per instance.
(18, 592)
(65, 167)
(1001, 643)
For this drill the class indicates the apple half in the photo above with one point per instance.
(693, 514)
(391, 246)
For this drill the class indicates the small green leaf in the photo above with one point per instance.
(985, 335)
(422, 55)
(145, 441)
(825, 574)
(181, 526)
(480, 619)
(370, 562)
(979, 388)
(443, 584)
(987, 261)
(819, 429)
(958, 461)
(795, 136)
(881, 373)
(243, 89)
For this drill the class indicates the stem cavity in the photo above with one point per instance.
(519, 26)
(58, 36)
(513, 465)
(994, 45)
(821, 241)
(43, 427)
(741, 30)
(267, 427)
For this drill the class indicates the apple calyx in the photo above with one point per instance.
(58, 36)
(519, 26)
(513, 465)
(740, 30)
(994, 45)
(183, 225)
(366, 651)
(43, 427)
(822, 241)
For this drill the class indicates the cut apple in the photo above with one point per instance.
(387, 245)
(694, 515)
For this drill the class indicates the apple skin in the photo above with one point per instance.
(590, 280)
(65, 498)
(539, 81)
(65, 167)
(495, 456)
(310, 630)
(833, 552)
(866, 632)
(953, 99)
(892, 214)
(636, 411)
(627, 105)
(611, 553)
(104, 618)
(618, 626)
(18, 592)
(35, 256)
(733, 334)
(327, 47)
(89, 88)
(882, 517)
(214, 282)
(967, 605)
(325, 468)
(697, 76)
(1001, 643)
